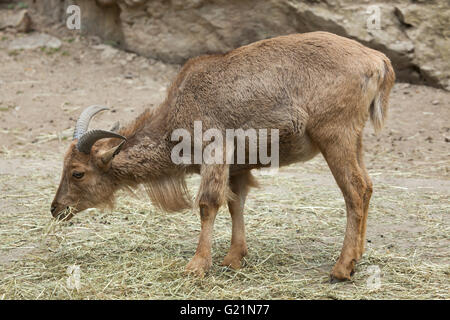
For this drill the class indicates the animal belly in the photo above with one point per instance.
(297, 148)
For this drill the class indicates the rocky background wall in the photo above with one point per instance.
(415, 34)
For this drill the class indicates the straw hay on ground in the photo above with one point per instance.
(295, 226)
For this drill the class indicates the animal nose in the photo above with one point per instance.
(53, 209)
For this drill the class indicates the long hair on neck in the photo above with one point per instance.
(167, 191)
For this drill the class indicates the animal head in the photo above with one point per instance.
(85, 181)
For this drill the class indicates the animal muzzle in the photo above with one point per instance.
(61, 212)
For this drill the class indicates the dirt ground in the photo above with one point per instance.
(295, 221)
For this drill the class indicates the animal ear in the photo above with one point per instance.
(108, 155)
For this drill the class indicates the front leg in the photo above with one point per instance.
(240, 185)
(212, 194)
(202, 261)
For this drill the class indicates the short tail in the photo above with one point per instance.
(379, 105)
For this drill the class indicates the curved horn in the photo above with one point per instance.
(87, 140)
(84, 119)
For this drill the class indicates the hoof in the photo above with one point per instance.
(234, 257)
(334, 280)
(198, 266)
(232, 261)
(342, 272)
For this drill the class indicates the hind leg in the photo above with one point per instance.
(367, 194)
(240, 185)
(341, 154)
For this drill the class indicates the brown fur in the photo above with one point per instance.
(317, 88)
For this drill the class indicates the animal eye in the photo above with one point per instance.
(77, 175)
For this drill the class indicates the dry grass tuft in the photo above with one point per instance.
(295, 227)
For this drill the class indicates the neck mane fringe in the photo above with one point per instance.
(168, 192)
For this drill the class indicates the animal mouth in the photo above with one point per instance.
(66, 214)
